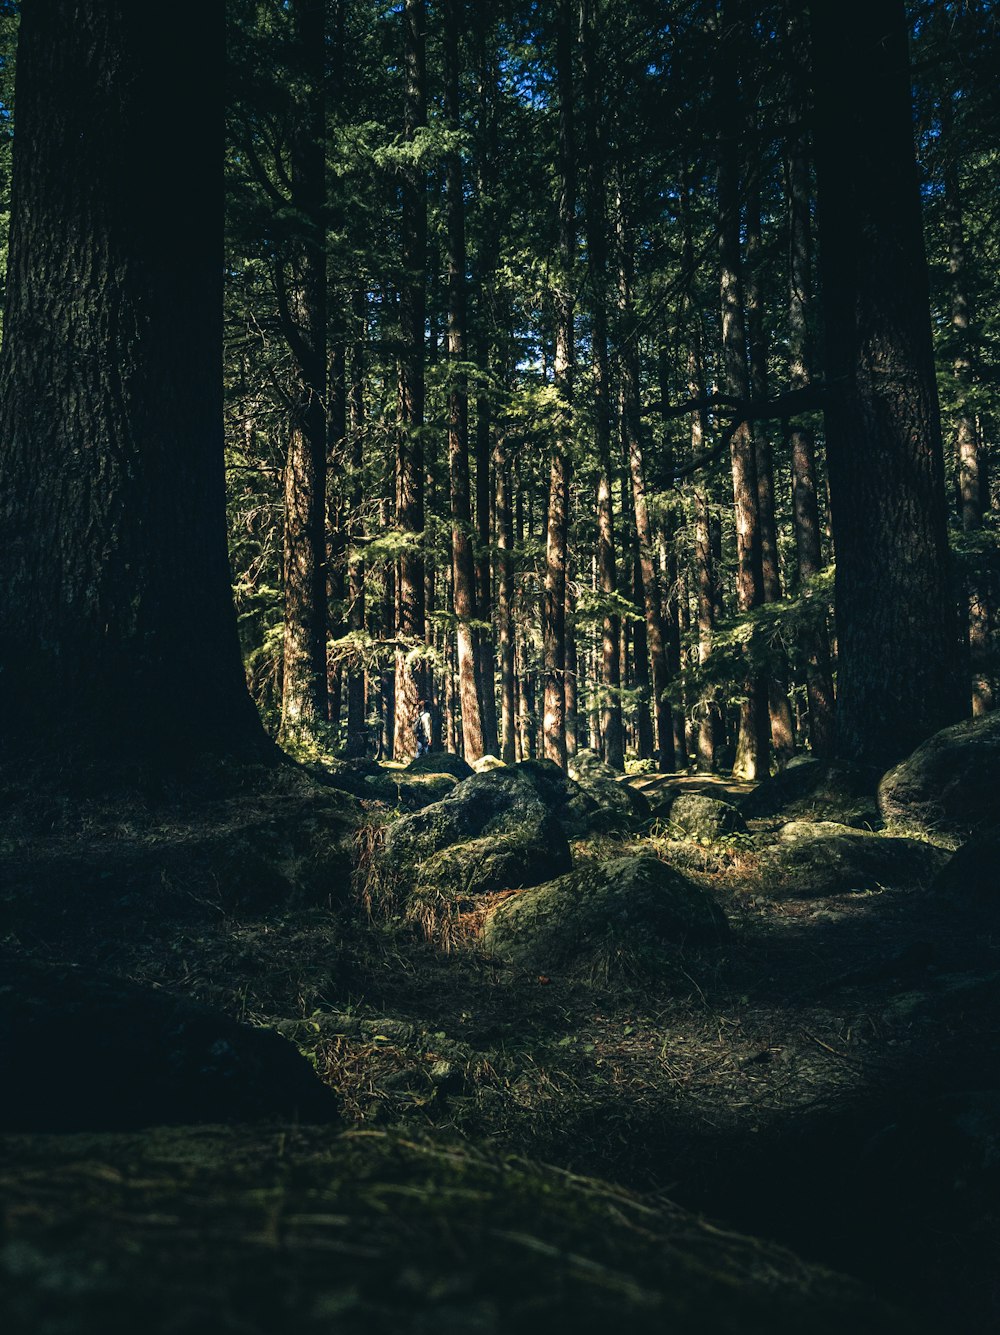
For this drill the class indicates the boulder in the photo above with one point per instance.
(486, 763)
(438, 851)
(971, 877)
(576, 811)
(705, 819)
(816, 789)
(626, 904)
(812, 859)
(622, 806)
(949, 788)
(440, 762)
(82, 1050)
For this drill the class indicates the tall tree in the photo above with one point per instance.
(898, 639)
(116, 615)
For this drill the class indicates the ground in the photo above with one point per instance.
(751, 1082)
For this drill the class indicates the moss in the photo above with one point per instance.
(371, 1232)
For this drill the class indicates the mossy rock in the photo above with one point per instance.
(440, 762)
(809, 788)
(949, 788)
(373, 1234)
(485, 763)
(83, 1050)
(705, 819)
(813, 859)
(622, 807)
(536, 851)
(623, 904)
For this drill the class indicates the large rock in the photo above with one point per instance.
(819, 790)
(82, 1050)
(625, 904)
(211, 1230)
(440, 762)
(442, 850)
(971, 877)
(705, 819)
(621, 805)
(812, 859)
(949, 788)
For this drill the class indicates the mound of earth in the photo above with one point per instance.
(812, 859)
(622, 806)
(371, 1234)
(82, 1050)
(601, 910)
(949, 788)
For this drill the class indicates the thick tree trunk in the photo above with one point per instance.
(899, 677)
(116, 615)
(410, 595)
(557, 530)
(303, 307)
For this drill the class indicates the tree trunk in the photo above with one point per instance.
(899, 677)
(304, 312)
(356, 720)
(505, 603)
(410, 599)
(463, 568)
(557, 531)
(116, 614)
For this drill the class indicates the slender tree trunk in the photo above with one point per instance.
(304, 311)
(752, 743)
(505, 602)
(972, 486)
(116, 616)
(554, 604)
(463, 568)
(805, 509)
(356, 722)
(899, 677)
(410, 596)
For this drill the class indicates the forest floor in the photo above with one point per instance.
(753, 1083)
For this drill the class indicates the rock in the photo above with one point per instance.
(440, 762)
(971, 877)
(492, 832)
(949, 788)
(487, 762)
(624, 904)
(705, 819)
(816, 789)
(82, 1050)
(622, 805)
(226, 1230)
(812, 859)
(576, 811)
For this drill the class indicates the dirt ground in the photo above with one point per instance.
(788, 1084)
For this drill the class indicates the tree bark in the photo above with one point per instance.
(356, 720)
(116, 614)
(899, 677)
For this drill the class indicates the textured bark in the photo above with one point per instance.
(557, 528)
(410, 596)
(898, 678)
(505, 603)
(463, 569)
(304, 312)
(116, 615)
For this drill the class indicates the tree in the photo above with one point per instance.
(116, 610)
(898, 637)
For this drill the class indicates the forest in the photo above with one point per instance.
(499, 655)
